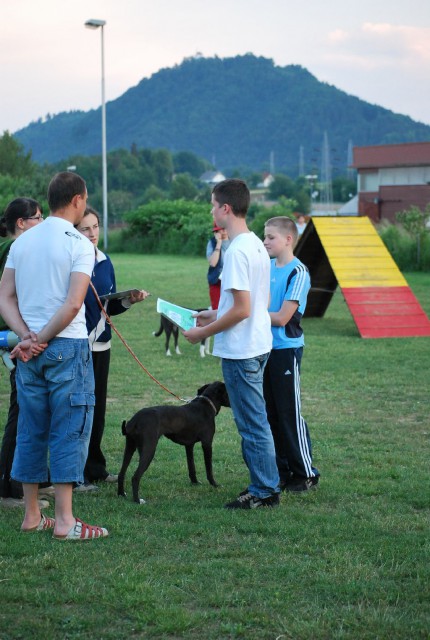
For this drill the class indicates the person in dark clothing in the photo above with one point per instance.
(99, 334)
(215, 251)
(20, 215)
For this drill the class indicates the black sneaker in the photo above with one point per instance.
(304, 484)
(248, 501)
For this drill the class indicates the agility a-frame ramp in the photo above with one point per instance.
(347, 251)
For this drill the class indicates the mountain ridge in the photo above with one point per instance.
(239, 111)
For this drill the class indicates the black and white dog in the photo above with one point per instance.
(190, 423)
(170, 329)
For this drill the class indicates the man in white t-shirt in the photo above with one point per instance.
(42, 293)
(243, 340)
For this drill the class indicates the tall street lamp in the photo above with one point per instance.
(95, 24)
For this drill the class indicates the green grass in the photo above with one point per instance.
(350, 560)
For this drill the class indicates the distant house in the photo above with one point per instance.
(391, 178)
(266, 182)
(211, 177)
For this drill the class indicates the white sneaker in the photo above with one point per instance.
(19, 502)
(47, 492)
(111, 478)
(85, 487)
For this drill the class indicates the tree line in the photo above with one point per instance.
(165, 208)
(139, 176)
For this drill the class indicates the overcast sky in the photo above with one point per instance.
(378, 50)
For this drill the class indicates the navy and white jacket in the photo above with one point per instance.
(103, 279)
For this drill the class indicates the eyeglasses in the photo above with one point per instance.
(38, 217)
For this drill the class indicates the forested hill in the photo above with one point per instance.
(235, 112)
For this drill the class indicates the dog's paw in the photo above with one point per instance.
(122, 495)
(142, 501)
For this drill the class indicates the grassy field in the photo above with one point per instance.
(347, 561)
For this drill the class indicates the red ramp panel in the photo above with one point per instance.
(386, 312)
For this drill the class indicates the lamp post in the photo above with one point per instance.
(95, 24)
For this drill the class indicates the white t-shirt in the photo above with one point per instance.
(43, 258)
(246, 268)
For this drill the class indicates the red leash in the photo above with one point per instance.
(131, 352)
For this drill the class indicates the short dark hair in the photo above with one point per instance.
(234, 193)
(63, 187)
(16, 209)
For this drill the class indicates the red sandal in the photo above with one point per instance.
(81, 532)
(45, 523)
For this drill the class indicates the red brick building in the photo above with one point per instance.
(391, 178)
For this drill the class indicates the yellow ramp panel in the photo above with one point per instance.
(357, 254)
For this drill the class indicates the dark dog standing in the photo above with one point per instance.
(192, 422)
(170, 329)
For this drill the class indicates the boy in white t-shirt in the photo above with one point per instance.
(243, 340)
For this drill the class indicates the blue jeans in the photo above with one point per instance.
(56, 406)
(244, 382)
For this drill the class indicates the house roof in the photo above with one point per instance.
(411, 154)
(212, 177)
(350, 208)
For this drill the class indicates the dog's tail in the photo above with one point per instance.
(158, 333)
(124, 432)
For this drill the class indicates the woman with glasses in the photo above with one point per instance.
(19, 216)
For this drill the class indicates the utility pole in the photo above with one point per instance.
(272, 163)
(301, 161)
(349, 161)
(325, 177)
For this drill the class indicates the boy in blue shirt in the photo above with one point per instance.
(289, 287)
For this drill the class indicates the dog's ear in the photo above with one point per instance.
(200, 391)
(224, 399)
(124, 422)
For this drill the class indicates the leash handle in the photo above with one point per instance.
(131, 352)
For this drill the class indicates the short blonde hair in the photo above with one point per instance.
(285, 226)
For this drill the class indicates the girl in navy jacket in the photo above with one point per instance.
(99, 335)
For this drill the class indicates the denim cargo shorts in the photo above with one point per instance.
(56, 406)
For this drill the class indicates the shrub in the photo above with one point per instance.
(171, 227)
(416, 222)
(398, 243)
(284, 208)
(182, 227)
(403, 247)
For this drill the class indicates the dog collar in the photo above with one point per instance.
(210, 402)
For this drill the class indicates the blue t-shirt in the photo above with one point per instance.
(290, 282)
